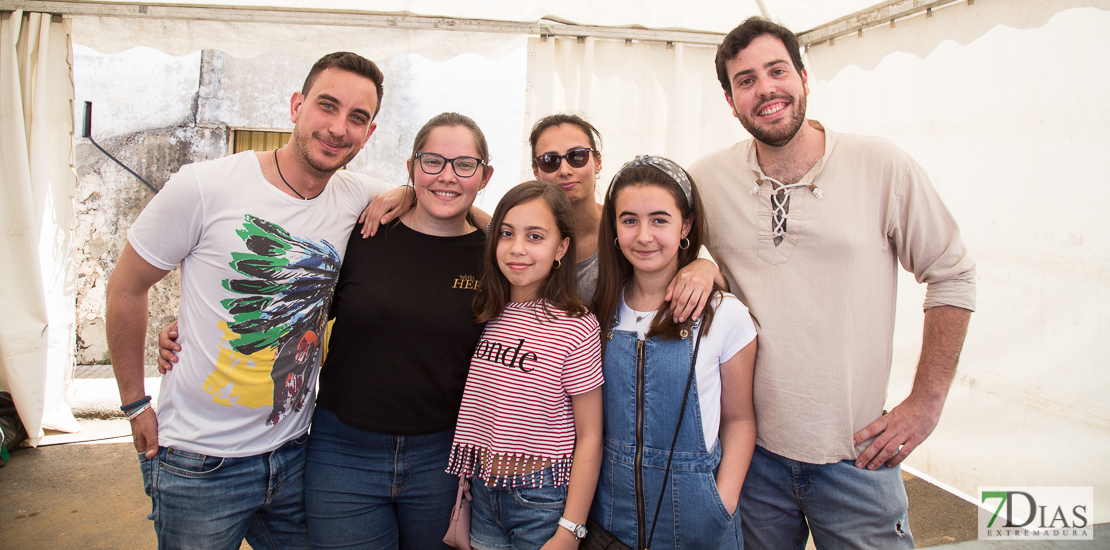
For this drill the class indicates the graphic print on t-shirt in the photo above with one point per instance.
(494, 352)
(272, 346)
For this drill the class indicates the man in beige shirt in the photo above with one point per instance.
(808, 226)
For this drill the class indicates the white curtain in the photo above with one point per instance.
(644, 97)
(37, 183)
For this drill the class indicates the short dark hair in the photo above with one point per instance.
(352, 63)
(559, 119)
(741, 37)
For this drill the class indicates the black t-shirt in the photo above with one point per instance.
(404, 331)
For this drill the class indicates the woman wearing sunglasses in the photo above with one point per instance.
(393, 378)
(566, 151)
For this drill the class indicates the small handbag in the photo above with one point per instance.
(458, 532)
(598, 537)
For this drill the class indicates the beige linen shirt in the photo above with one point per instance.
(825, 296)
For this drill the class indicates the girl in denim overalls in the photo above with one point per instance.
(652, 226)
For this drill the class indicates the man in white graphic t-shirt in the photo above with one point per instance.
(259, 237)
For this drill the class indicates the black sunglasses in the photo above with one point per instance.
(550, 162)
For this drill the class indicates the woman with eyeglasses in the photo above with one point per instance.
(393, 378)
(566, 151)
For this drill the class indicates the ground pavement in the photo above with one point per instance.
(84, 490)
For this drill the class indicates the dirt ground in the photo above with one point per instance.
(90, 496)
(87, 496)
(74, 496)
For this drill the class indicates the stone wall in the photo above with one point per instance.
(131, 92)
(157, 112)
(108, 200)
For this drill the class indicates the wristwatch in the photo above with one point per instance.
(579, 531)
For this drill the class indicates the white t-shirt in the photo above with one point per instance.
(258, 268)
(731, 331)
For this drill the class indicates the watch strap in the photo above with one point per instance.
(578, 530)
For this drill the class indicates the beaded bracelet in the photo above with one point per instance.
(131, 406)
(135, 414)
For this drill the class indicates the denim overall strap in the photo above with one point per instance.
(677, 430)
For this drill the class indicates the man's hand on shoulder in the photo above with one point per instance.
(692, 287)
(385, 208)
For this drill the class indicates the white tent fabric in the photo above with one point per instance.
(244, 39)
(36, 192)
(952, 87)
(644, 97)
(1026, 180)
(696, 15)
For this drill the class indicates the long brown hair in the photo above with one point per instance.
(439, 121)
(614, 271)
(560, 287)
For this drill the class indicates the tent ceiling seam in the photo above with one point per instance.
(884, 13)
(293, 16)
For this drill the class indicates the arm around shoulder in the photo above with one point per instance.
(385, 207)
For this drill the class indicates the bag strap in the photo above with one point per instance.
(674, 442)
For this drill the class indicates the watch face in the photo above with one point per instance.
(580, 532)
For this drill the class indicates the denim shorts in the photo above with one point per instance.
(201, 502)
(845, 507)
(514, 516)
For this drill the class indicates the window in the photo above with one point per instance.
(258, 140)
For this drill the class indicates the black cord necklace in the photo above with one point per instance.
(286, 182)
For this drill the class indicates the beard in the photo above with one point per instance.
(300, 143)
(780, 133)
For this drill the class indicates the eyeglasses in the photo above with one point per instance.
(576, 158)
(433, 164)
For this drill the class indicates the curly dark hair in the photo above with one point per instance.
(742, 36)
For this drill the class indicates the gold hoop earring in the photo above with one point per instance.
(684, 240)
(558, 264)
(617, 242)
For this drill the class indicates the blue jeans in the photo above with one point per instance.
(375, 491)
(514, 516)
(844, 506)
(207, 502)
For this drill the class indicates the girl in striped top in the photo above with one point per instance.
(530, 428)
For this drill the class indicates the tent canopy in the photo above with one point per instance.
(1002, 102)
(246, 29)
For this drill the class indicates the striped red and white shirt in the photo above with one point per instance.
(516, 406)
